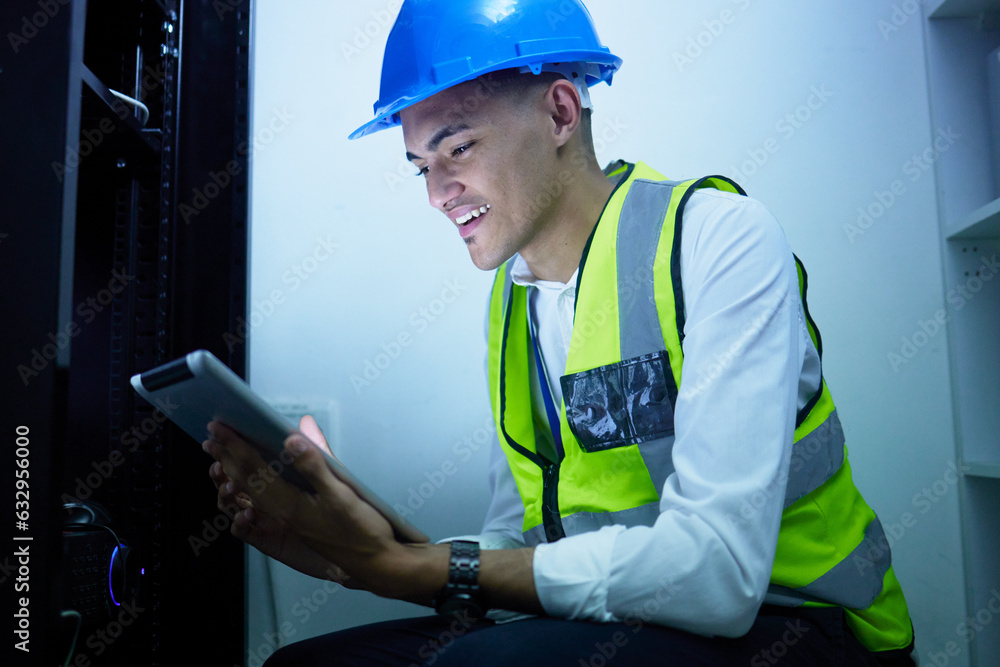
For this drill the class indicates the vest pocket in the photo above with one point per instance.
(621, 404)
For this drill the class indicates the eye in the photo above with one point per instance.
(455, 153)
(462, 149)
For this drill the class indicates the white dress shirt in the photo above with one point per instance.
(749, 365)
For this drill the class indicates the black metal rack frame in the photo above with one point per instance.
(101, 278)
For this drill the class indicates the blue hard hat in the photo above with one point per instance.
(437, 44)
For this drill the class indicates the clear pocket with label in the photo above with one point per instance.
(621, 404)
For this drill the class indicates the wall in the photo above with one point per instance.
(367, 307)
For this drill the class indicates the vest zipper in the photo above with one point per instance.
(551, 520)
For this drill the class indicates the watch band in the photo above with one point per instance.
(462, 592)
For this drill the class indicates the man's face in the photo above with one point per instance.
(480, 152)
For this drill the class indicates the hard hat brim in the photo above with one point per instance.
(389, 116)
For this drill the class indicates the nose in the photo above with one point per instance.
(442, 187)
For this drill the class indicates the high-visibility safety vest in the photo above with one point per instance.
(616, 418)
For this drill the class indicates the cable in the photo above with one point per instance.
(91, 511)
(93, 527)
(76, 633)
(143, 109)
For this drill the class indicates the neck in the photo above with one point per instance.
(555, 253)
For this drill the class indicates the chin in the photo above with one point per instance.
(485, 262)
(487, 265)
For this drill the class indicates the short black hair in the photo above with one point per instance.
(517, 86)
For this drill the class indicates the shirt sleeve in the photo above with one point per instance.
(705, 564)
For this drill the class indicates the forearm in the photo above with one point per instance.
(508, 581)
(418, 573)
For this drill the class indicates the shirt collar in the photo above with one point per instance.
(521, 274)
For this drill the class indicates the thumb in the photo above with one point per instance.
(311, 430)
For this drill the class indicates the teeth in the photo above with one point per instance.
(473, 214)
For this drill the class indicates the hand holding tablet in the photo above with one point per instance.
(198, 389)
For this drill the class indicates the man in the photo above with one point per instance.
(640, 515)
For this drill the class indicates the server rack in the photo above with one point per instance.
(123, 244)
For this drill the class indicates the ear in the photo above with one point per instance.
(566, 110)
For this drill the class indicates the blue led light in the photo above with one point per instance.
(111, 568)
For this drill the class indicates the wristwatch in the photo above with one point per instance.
(462, 593)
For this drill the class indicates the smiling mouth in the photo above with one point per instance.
(472, 215)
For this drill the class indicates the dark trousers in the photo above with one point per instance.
(780, 636)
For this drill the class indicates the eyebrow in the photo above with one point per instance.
(439, 136)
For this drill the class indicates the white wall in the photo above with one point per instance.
(723, 110)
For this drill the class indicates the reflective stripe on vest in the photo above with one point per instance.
(831, 548)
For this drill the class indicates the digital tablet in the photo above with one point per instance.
(198, 388)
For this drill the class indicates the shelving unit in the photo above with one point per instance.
(982, 223)
(960, 34)
(105, 279)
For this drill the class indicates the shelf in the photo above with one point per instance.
(983, 470)
(958, 48)
(952, 9)
(982, 223)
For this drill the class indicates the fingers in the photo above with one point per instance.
(311, 430)
(309, 461)
(222, 484)
(223, 446)
(213, 448)
(335, 521)
(219, 436)
(217, 474)
(217, 471)
(262, 521)
(240, 461)
(228, 497)
(258, 530)
(243, 524)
